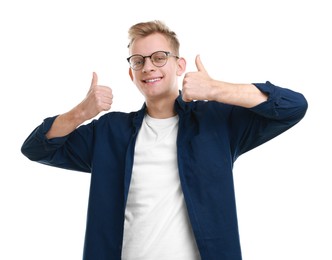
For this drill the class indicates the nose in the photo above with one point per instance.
(148, 65)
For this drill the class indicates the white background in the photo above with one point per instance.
(48, 50)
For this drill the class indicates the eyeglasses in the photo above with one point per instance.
(158, 59)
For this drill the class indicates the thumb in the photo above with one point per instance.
(94, 80)
(199, 64)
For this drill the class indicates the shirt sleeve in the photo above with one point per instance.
(281, 103)
(69, 152)
(282, 110)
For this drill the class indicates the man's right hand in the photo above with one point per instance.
(99, 98)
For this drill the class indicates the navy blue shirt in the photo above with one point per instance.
(211, 136)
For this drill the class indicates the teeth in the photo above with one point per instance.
(152, 80)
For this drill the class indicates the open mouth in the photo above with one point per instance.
(152, 80)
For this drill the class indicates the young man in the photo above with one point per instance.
(161, 177)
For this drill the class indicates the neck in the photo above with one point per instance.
(161, 108)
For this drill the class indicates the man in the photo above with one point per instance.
(161, 177)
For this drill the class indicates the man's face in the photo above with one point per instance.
(156, 82)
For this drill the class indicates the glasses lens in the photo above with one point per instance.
(136, 62)
(159, 58)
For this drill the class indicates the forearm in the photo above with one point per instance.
(65, 123)
(244, 95)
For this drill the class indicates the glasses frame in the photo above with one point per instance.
(167, 53)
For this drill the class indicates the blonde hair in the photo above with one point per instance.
(141, 30)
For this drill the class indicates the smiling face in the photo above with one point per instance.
(156, 83)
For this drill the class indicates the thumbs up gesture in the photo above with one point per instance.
(99, 98)
(197, 85)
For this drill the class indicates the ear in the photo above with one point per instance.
(181, 66)
(131, 74)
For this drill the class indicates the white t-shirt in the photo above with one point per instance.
(157, 226)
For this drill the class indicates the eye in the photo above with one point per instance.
(136, 61)
(159, 57)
